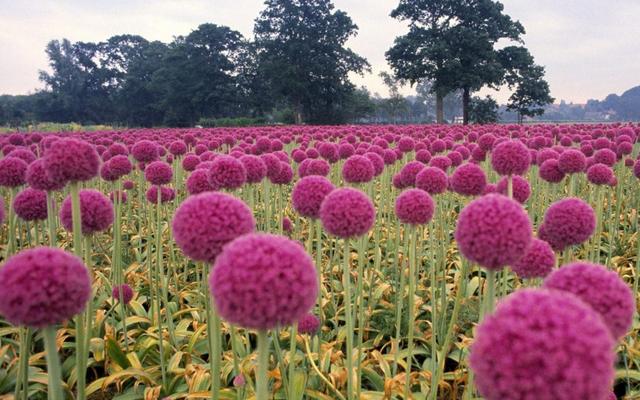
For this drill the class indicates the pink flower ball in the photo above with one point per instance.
(127, 293)
(414, 207)
(145, 151)
(96, 212)
(521, 188)
(204, 223)
(493, 231)
(178, 148)
(13, 172)
(377, 161)
(284, 176)
(546, 154)
(117, 167)
(167, 194)
(273, 164)
(31, 204)
(308, 194)
(441, 162)
(190, 162)
(38, 178)
(71, 160)
(128, 185)
(287, 225)
(424, 156)
(389, 157)
(605, 156)
(410, 171)
(432, 180)
(543, 344)
(42, 287)
(572, 161)
(468, 180)
(255, 167)
(345, 150)
(309, 324)
(198, 182)
(550, 171)
(314, 167)
(600, 174)
(406, 144)
(23, 154)
(538, 261)
(600, 288)
(568, 222)
(263, 281)
(357, 169)
(511, 157)
(227, 172)
(158, 173)
(347, 213)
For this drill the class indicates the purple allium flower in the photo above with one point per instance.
(357, 169)
(572, 161)
(31, 204)
(121, 195)
(71, 160)
(397, 182)
(261, 281)
(455, 157)
(227, 173)
(521, 188)
(389, 156)
(204, 223)
(167, 194)
(543, 344)
(468, 180)
(239, 381)
(314, 167)
(23, 154)
(493, 231)
(43, 286)
(284, 176)
(409, 172)
(432, 180)
(273, 164)
(568, 222)
(178, 148)
(345, 150)
(414, 207)
(485, 142)
(190, 162)
(96, 212)
(158, 173)
(117, 167)
(198, 182)
(308, 194)
(13, 172)
(511, 157)
(128, 185)
(605, 156)
(600, 174)
(255, 167)
(441, 162)
(287, 225)
(550, 171)
(347, 213)
(424, 156)
(438, 146)
(309, 324)
(127, 293)
(538, 261)
(145, 151)
(38, 178)
(377, 161)
(600, 288)
(406, 144)
(329, 151)
(546, 154)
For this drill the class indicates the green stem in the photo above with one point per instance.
(262, 380)
(54, 374)
(292, 359)
(410, 309)
(346, 278)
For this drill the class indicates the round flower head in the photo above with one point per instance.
(23, 154)
(389, 157)
(145, 151)
(550, 171)
(128, 185)
(178, 148)
(600, 174)
(204, 223)
(198, 182)
(117, 167)
(345, 150)
(127, 293)
(424, 156)
(347, 213)
(406, 144)
(13, 172)
(158, 173)
(31, 204)
(572, 161)
(493, 231)
(377, 161)
(190, 162)
(96, 212)
(543, 344)
(314, 167)
(71, 160)
(287, 225)
(521, 188)
(468, 180)
(309, 324)
(227, 172)
(255, 167)
(42, 287)
(272, 162)
(308, 194)
(409, 172)
(441, 162)
(432, 180)
(414, 207)
(263, 281)
(357, 169)
(167, 194)
(568, 222)
(284, 176)
(600, 288)
(38, 178)
(546, 154)
(511, 157)
(538, 261)
(605, 156)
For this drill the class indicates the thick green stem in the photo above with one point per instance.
(292, 360)
(410, 309)
(54, 374)
(262, 380)
(346, 278)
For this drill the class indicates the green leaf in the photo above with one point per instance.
(116, 354)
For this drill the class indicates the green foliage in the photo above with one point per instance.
(483, 111)
(230, 122)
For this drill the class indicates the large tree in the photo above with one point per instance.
(303, 56)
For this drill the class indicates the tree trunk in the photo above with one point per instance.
(466, 100)
(439, 108)
(298, 112)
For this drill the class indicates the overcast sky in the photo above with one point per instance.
(590, 48)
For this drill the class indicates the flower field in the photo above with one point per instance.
(312, 262)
